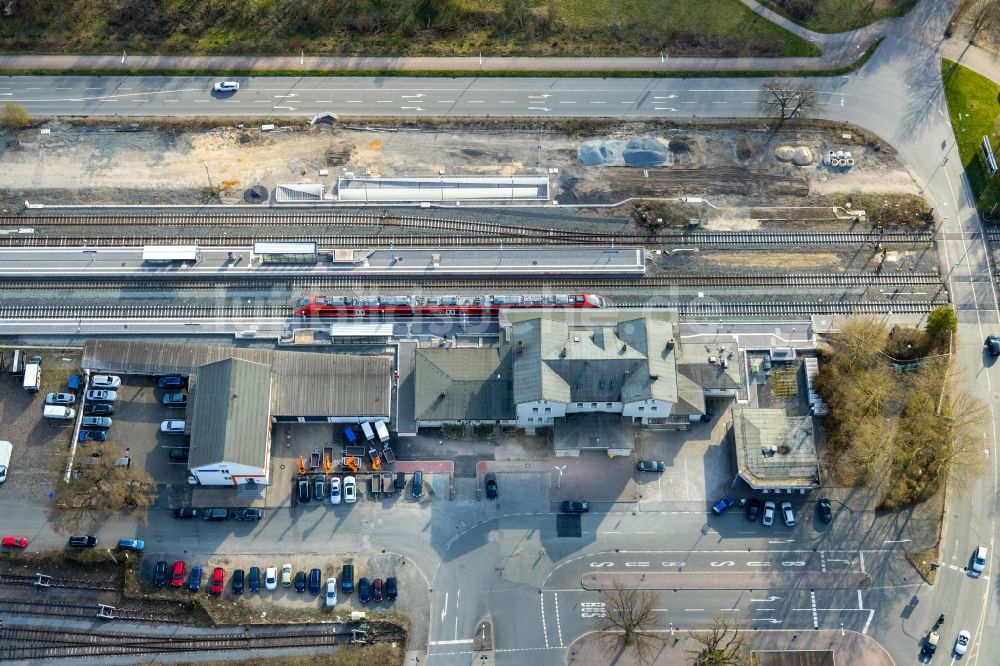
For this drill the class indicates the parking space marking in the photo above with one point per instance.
(545, 629)
(555, 596)
(812, 600)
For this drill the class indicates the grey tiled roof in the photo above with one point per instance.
(230, 418)
(464, 384)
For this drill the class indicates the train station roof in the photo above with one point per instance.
(464, 384)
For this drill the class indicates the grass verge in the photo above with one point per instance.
(974, 107)
(832, 16)
(921, 561)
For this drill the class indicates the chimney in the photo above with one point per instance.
(520, 346)
(442, 394)
(562, 354)
(670, 343)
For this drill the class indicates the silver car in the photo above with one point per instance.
(768, 519)
(788, 514)
(979, 559)
(60, 399)
(102, 395)
(105, 382)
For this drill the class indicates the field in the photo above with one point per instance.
(974, 106)
(838, 15)
(395, 28)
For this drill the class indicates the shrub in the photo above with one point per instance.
(14, 116)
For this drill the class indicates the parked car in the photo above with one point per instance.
(131, 544)
(253, 579)
(347, 578)
(300, 581)
(962, 642)
(768, 518)
(238, 581)
(302, 486)
(172, 427)
(226, 86)
(215, 514)
(992, 345)
(171, 382)
(417, 485)
(824, 509)
(787, 514)
(194, 580)
(723, 504)
(96, 422)
(217, 581)
(390, 588)
(331, 592)
(575, 506)
(979, 559)
(82, 541)
(99, 409)
(185, 513)
(314, 581)
(319, 489)
(930, 645)
(364, 590)
(335, 490)
(491, 486)
(60, 399)
(650, 466)
(15, 542)
(105, 382)
(350, 490)
(101, 395)
(286, 575)
(160, 574)
(247, 513)
(753, 509)
(271, 578)
(93, 435)
(175, 400)
(179, 455)
(178, 573)
(377, 590)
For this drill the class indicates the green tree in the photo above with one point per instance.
(941, 321)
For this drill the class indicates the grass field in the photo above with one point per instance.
(396, 28)
(838, 15)
(974, 106)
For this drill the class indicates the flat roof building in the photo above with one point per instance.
(775, 451)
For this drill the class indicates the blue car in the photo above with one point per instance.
(723, 504)
(194, 581)
(131, 544)
(171, 382)
(95, 435)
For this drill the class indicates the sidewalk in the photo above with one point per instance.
(977, 59)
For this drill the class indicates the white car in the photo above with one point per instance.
(768, 518)
(172, 427)
(334, 490)
(350, 490)
(226, 86)
(331, 592)
(105, 382)
(788, 514)
(962, 642)
(979, 559)
(271, 578)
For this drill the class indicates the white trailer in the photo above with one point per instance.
(5, 450)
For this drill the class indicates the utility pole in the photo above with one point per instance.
(207, 174)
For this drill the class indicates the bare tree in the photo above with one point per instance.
(785, 99)
(629, 619)
(722, 644)
(966, 458)
(982, 15)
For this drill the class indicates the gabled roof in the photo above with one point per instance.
(464, 384)
(230, 418)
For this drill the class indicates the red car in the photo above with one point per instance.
(177, 577)
(217, 584)
(377, 590)
(15, 542)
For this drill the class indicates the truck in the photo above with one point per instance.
(383, 432)
(5, 450)
(375, 483)
(388, 455)
(32, 376)
(387, 486)
(366, 428)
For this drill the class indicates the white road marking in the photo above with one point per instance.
(324, 101)
(475, 101)
(545, 629)
(459, 641)
(758, 564)
(451, 101)
(558, 623)
(567, 102)
(444, 609)
(694, 610)
(812, 599)
(538, 108)
(871, 615)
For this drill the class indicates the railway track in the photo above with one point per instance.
(389, 283)
(65, 583)
(698, 308)
(56, 609)
(37, 643)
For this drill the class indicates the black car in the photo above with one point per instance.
(992, 345)
(400, 482)
(753, 509)
(247, 513)
(314, 577)
(160, 574)
(300, 581)
(253, 579)
(179, 455)
(238, 581)
(84, 541)
(824, 509)
(185, 512)
(417, 485)
(347, 578)
(491, 486)
(99, 410)
(364, 590)
(575, 506)
(303, 489)
(390, 588)
(171, 382)
(650, 466)
(216, 514)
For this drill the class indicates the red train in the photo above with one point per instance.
(429, 306)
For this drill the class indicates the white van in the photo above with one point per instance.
(383, 432)
(32, 377)
(59, 412)
(5, 450)
(366, 428)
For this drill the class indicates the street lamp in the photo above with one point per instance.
(559, 480)
(207, 174)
